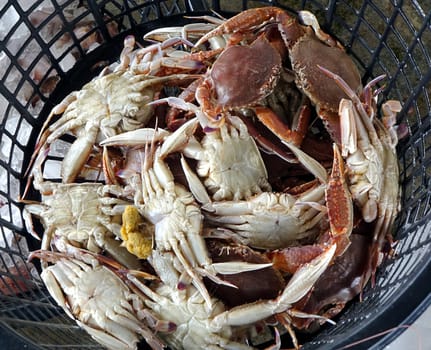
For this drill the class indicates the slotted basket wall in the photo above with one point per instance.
(390, 37)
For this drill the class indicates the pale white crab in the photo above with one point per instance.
(273, 220)
(369, 148)
(270, 220)
(107, 105)
(83, 214)
(96, 298)
(229, 161)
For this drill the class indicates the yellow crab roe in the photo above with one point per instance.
(136, 233)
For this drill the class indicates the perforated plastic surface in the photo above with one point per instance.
(390, 37)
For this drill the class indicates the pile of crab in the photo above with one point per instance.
(247, 185)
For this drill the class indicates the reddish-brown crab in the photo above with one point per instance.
(307, 46)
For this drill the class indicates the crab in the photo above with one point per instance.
(101, 108)
(81, 214)
(96, 298)
(273, 220)
(256, 76)
(368, 147)
(190, 325)
(229, 162)
(228, 158)
(259, 64)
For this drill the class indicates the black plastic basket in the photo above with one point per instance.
(391, 37)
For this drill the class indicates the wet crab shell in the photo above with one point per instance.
(244, 75)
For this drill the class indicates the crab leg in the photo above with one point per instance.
(339, 204)
(280, 129)
(78, 153)
(246, 20)
(190, 31)
(266, 145)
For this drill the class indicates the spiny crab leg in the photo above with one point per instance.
(244, 20)
(192, 31)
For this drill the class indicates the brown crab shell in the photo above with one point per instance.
(244, 75)
(252, 286)
(306, 55)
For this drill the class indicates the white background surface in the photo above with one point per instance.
(416, 337)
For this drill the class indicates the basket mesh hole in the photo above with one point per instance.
(59, 148)
(6, 146)
(13, 79)
(25, 92)
(24, 132)
(48, 27)
(17, 159)
(88, 37)
(25, 4)
(9, 16)
(14, 188)
(11, 123)
(3, 107)
(41, 69)
(3, 186)
(52, 169)
(14, 45)
(61, 45)
(16, 214)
